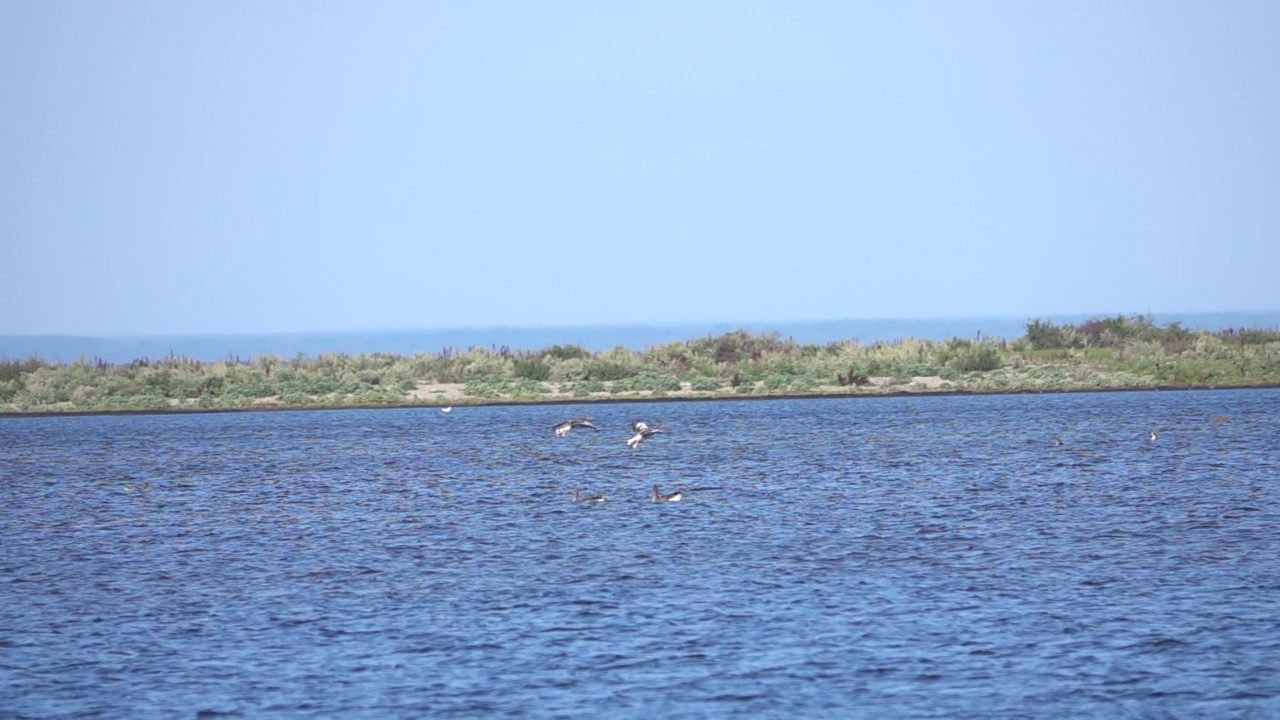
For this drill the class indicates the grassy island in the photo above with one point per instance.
(1121, 352)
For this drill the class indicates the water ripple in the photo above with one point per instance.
(922, 557)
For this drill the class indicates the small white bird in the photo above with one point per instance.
(446, 409)
(673, 497)
(642, 433)
(1153, 436)
(586, 498)
(563, 428)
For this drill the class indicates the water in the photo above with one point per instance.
(893, 557)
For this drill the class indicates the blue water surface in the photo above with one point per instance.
(994, 556)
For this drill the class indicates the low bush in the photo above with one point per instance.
(704, 384)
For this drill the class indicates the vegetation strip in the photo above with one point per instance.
(1115, 353)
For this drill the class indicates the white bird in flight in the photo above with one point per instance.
(642, 433)
(563, 428)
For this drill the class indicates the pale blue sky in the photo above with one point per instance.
(233, 167)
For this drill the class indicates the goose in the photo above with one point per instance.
(642, 433)
(673, 497)
(586, 498)
(563, 428)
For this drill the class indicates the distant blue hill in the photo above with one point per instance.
(211, 348)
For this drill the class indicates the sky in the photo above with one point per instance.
(249, 167)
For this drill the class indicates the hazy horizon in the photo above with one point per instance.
(1008, 317)
(637, 336)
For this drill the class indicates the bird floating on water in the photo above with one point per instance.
(673, 497)
(136, 488)
(563, 428)
(642, 433)
(446, 409)
(1153, 436)
(577, 497)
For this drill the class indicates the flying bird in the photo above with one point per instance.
(563, 428)
(642, 432)
(586, 498)
(673, 497)
(446, 409)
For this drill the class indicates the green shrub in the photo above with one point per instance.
(981, 358)
(485, 387)
(295, 399)
(525, 387)
(645, 382)
(532, 369)
(586, 387)
(571, 370)
(611, 371)
(705, 384)
(777, 382)
(15, 369)
(567, 352)
(1044, 335)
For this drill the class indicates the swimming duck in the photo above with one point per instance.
(563, 428)
(673, 497)
(586, 498)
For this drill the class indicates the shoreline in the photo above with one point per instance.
(1119, 354)
(636, 399)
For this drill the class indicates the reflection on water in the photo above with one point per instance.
(888, 557)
